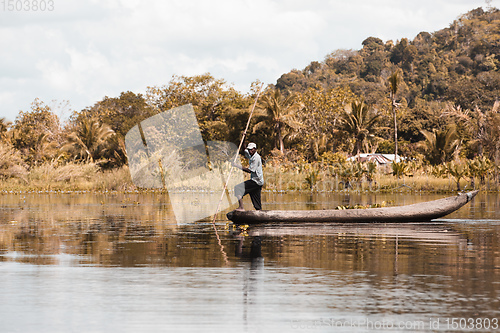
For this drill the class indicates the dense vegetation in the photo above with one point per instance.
(434, 99)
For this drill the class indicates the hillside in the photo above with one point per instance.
(457, 64)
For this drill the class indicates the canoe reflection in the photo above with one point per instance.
(378, 248)
(422, 232)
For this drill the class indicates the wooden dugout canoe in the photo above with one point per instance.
(419, 212)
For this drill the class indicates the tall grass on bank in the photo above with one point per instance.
(70, 176)
(66, 176)
(283, 176)
(114, 180)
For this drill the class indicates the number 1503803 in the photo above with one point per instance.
(472, 323)
(27, 5)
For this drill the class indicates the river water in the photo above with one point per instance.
(114, 262)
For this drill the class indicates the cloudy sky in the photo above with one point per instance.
(82, 50)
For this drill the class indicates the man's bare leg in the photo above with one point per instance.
(240, 204)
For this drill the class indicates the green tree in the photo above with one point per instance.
(404, 54)
(280, 116)
(491, 135)
(480, 128)
(374, 58)
(319, 117)
(11, 163)
(213, 100)
(33, 130)
(359, 122)
(120, 113)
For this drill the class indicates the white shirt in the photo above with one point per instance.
(255, 166)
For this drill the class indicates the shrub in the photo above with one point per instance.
(11, 163)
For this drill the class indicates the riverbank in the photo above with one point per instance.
(69, 177)
(279, 179)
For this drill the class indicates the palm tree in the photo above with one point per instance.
(359, 122)
(441, 145)
(491, 132)
(394, 81)
(280, 111)
(483, 126)
(89, 140)
(42, 149)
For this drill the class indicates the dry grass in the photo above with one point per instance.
(114, 180)
(295, 179)
(279, 178)
(71, 176)
(53, 173)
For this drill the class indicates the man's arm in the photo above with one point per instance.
(241, 167)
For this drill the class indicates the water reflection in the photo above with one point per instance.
(148, 273)
(138, 230)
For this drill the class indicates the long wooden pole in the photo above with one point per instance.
(231, 170)
(246, 128)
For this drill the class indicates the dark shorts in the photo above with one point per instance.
(252, 188)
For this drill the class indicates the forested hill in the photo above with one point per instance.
(459, 64)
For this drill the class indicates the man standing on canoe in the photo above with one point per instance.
(253, 186)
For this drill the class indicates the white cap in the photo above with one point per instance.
(251, 145)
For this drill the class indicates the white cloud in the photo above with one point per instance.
(87, 49)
